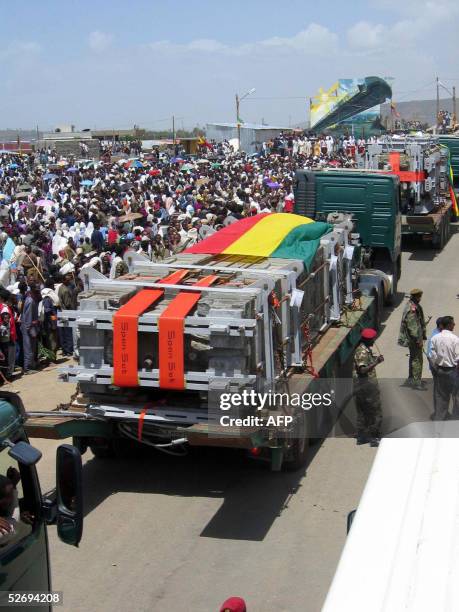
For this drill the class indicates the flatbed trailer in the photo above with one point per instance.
(433, 228)
(422, 165)
(330, 359)
(243, 350)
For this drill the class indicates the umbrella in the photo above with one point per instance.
(14, 166)
(216, 165)
(187, 167)
(177, 160)
(45, 203)
(203, 161)
(126, 186)
(87, 183)
(72, 169)
(22, 194)
(273, 185)
(49, 176)
(25, 187)
(133, 163)
(130, 217)
(154, 172)
(62, 163)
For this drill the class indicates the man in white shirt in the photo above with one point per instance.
(444, 360)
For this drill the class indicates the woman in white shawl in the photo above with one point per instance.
(81, 233)
(59, 242)
(89, 230)
(74, 232)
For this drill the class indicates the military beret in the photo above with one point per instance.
(368, 333)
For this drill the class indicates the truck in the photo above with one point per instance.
(208, 348)
(24, 551)
(452, 143)
(372, 200)
(422, 165)
(398, 554)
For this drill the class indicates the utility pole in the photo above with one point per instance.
(454, 107)
(238, 123)
(238, 119)
(438, 104)
(173, 130)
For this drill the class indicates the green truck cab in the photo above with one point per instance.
(452, 142)
(373, 200)
(24, 512)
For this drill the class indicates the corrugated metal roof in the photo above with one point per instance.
(250, 126)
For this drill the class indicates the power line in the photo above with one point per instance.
(281, 98)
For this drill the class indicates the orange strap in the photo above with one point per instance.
(171, 341)
(125, 327)
(140, 425)
(394, 160)
(405, 176)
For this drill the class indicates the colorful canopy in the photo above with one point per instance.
(280, 235)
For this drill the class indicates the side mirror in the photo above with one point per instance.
(350, 520)
(69, 490)
(24, 453)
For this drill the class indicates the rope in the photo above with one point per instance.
(307, 354)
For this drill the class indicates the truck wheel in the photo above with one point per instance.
(80, 443)
(395, 276)
(102, 448)
(379, 305)
(297, 455)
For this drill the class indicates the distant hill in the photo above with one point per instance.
(418, 110)
(9, 135)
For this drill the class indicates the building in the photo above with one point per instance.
(66, 141)
(252, 134)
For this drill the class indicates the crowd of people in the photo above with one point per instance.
(60, 215)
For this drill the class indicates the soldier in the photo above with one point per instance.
(412, 334)
(366, 390)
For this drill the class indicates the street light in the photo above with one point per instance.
(238, 121)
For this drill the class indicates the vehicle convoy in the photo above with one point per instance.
(270, 304)
(422, 165)
(372, 200)
(24, 553)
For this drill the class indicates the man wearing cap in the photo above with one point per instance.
(412, 335)
(366, 389)
(233, 604)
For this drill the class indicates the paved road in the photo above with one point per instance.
(167, 534)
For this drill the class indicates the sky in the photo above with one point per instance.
(116, 63)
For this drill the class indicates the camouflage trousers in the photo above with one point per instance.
(369, 412)
(415, 362)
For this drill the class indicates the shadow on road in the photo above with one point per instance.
(253, 496)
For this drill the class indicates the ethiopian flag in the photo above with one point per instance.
(280, 235)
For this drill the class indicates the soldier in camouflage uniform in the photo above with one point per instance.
(412, 335)
(119, 266)
(366, 390)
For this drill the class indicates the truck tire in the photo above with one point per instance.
(102, 448)
(80, 443)
(396, 273)
(378, 294)
(298, 453)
